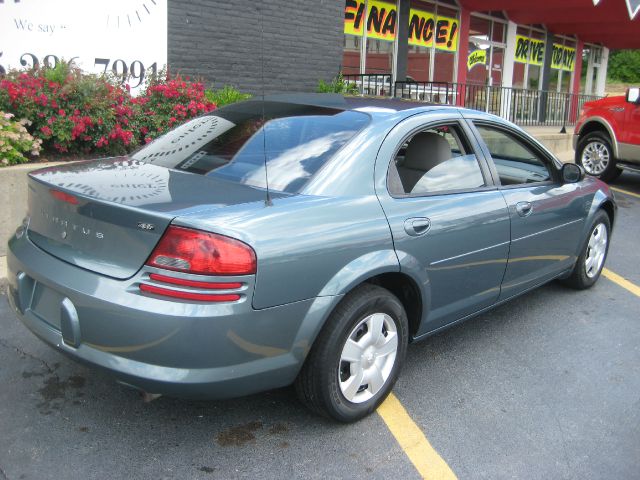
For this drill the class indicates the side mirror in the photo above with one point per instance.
(633, 95)
(572, 173)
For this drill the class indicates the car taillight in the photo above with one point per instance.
(63, 196)
(194, 251)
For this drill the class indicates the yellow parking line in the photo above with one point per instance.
(623, 282)
(626, 192)
(429, 464)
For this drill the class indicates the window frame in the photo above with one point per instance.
(468, 137)
(550, 162)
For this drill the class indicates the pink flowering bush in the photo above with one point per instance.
(166, 103)
(74, 113)
(15, 141)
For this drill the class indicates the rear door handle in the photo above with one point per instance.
(417, 226)
(524, 209)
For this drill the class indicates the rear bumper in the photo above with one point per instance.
(177, 348)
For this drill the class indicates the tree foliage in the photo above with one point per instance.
(624, 66)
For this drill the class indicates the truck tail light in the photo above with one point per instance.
(194, 251)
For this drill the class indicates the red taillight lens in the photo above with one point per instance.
(63, 196)
(201, 297)
(194, 251)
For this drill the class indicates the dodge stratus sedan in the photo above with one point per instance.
(300, 241)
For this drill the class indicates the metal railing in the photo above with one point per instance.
(371, 84)
(522, 106)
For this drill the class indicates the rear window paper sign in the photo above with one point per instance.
(477, 57)
(425, 30)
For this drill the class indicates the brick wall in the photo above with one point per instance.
(221, 42)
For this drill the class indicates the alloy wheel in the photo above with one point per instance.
(595, 158)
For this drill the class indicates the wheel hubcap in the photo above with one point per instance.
(368, 357)
(596, 250)
(595, 158)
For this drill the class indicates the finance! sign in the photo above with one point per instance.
(381, 18)
(425, 30)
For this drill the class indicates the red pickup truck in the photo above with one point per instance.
(607, 136)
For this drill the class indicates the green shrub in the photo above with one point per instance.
(15, 141)
(337, 85)
(624, 66)
(225, 96)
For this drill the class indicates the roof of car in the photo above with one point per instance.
(395, 104)
(372, 105)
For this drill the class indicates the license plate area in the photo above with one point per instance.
(46, 303)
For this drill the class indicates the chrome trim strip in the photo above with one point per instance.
(548, 230)
(468, 253)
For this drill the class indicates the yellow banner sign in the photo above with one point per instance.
(425, 30)
(381, 19)
(563, 58)
(477, 57)
(529, 50)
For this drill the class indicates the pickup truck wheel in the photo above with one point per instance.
(595, 154)
(357, 356)
(593, 254)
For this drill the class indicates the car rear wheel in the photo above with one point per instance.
(595, 154)
(357, 357)
(593, 255)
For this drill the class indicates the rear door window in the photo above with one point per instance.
(435, 160)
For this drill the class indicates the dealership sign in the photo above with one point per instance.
(476, 57)
(531, 51)
(121, 37)
(425, 30)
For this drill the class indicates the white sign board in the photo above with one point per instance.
(125, 37)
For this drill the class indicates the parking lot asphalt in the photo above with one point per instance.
(546, 386)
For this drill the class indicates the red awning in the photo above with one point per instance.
(607, 23)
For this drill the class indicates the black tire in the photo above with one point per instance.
(597, 140)
(318, 384)
(580, 277)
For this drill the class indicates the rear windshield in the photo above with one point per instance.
(233, 143)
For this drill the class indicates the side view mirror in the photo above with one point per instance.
(633, 95)
(572, 173)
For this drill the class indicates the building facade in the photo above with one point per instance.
(444, 41)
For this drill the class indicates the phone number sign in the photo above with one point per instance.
(125, 38)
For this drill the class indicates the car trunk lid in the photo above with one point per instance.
(107, 216)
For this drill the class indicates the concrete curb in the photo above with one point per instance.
(3, 273)
(13, 198)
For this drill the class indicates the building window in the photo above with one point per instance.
(487, 36)
(591, 64)
(562, 64)
(370, 37)
(529, 58)
(351, 54)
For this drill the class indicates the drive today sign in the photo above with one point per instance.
(127, 38)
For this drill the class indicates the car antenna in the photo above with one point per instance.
(267, 201)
